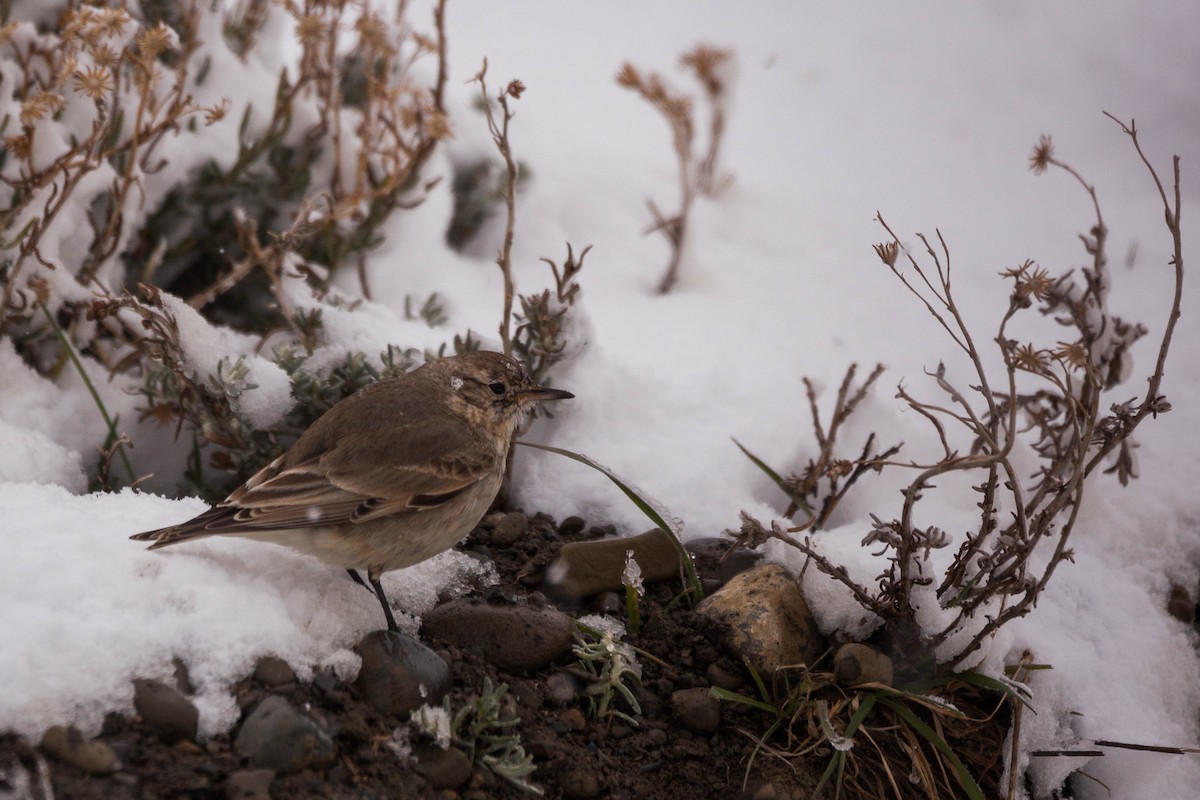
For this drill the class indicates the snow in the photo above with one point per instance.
(926, 114)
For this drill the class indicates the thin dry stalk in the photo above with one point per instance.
(499, 131)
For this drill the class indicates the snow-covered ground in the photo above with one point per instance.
(925, 113)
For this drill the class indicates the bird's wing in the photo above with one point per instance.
(318, 492)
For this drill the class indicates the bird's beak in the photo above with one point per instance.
(537, 393)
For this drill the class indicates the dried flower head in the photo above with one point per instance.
(628, 77)
(1034, 282)
(706, 61)
(887, 252)
(1031, 359)
(515, 89)
(1043, 155)
(1073, 354)
(153, 41)
(38, 106)
(112, 21)
(214, 114)
(20, 146)
(310, 29)
(95, 82)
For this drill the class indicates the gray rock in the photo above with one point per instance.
(583, 569)
(510, 529)
(730, 563)
(510, 637)
(271, 671)
(399, 674)
(277, 736)
(249, 784)
(768, 620)
(697, 710)
(444, 769)
(856, 664)
(167, 712)
(69, 746)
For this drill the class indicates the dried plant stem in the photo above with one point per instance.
(499, 131)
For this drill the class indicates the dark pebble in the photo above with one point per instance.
(249, 784)
(278, 736)
(165, 711)
(599, 531)
(697, 710)
(271, 672)
(572, 525)
(444, 769)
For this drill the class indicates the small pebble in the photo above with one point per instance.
(249, 784)
(167, 712)
(510, 529)
(69, 746)
(580, 783)
(271, 672)
(572, 525)
(600, 531)
(444, 769)
(697, 710)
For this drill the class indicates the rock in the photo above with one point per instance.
(183, 680)
(583, 569)
(572, 525)
(697, 710)
(580, 782)
(249, 784)
(1180, 604)
(271, 672)
(510, 637)
(856, 664)
(69, 746)
(526, 694)
(277, 736)
(730, 563)
(768, 620)
(723, 678)
(573, 719)
(510, 529)
(167, 712)
(444, 769)
(399, 674)
(603, 530)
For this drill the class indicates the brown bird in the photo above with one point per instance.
(388, 477)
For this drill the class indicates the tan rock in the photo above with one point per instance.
(768, 619)
(583, 569)
(856, 664)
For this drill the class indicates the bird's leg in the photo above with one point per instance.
(383, 601)
(357, 578)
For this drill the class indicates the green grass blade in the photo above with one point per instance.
(113, 434)
(913, 721)
(673, 528)
(734, 697)
(776, 478)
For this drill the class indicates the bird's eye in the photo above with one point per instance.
(497, 388)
